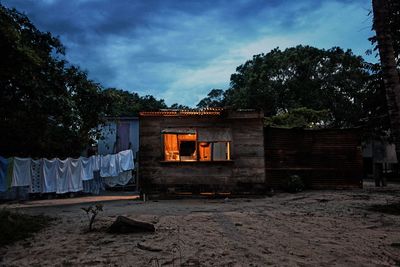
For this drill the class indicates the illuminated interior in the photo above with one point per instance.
(205, 151)
(186, 147)
(180, 147)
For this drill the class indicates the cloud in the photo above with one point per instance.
(179, 50)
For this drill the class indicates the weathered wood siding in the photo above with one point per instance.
(247, 153)
(325, 159)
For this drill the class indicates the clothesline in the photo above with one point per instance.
(68, 175)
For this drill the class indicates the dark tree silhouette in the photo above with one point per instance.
(388, 63)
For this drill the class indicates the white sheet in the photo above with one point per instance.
(75, 175)
(87, 168)
(109, 166)
(125, 160)
(62, 176)
(122, 179)
(21, 172)
(95, 162)
(50, 175)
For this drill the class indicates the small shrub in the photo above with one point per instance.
(295, 184)
(91, 213)
(16, 226)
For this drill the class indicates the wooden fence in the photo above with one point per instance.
(325, 159)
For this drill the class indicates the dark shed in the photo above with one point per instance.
(201, 150)
(325, 159)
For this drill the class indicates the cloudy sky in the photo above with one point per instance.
(180, 49)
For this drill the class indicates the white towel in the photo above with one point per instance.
(125, 161)
(74, 175)
(63, 175)
(109, 166)
(95, 162)
(50, 174)
(87, 168)
(21, 172)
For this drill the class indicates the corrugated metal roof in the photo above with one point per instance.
(183, 112)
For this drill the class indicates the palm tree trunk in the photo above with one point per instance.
(388, 63)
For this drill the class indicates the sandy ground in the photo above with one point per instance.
(313, 228)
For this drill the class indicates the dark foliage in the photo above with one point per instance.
(124, 103)
(294, 184)
(308, 78)
(49, 108)
(299, 118)
(214, 99)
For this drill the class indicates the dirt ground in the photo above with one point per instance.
(312, 228)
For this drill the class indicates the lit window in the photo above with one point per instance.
(196, 144)
(180, 144)
(214, 151)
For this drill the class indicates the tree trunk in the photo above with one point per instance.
(388, 63)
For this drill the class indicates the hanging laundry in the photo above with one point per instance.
(63, 175)
(69, 177)
(109, 166)
(21, 172)
(87, 168)
(122, 179)
(50, 174)
(9, 174)
(36, 174)
(75, 175)
(95, 162)
(3, 174)
(95, 185)
(125, 160)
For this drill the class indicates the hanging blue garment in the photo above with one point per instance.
(95, 185)
(3, 173)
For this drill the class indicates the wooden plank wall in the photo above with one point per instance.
(246, 168)
(325, 159)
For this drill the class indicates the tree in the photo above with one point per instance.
(392, 22)
(299, 118)
(149, 103)
(215, 98)
(178, 106)
(47, 107)
(124, 103)
(305, 77)
(383, 29)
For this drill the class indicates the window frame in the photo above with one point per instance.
(197, 144)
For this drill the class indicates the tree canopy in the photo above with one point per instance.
(299, 118)
(305, 77)
(124, 103)
(215, 98)
(48, 107)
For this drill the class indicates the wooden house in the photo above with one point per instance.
(201, 150)
(217, 150)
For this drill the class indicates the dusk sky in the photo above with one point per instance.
(179, 50)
